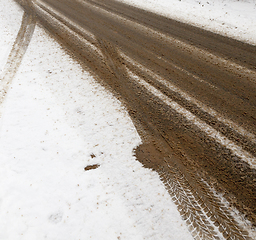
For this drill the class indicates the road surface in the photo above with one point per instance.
(191, 95)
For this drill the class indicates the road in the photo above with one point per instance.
(190, 93)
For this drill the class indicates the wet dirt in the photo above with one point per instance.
(189, 162)
(91, 167)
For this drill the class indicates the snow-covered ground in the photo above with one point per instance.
(233, 18)
(56, 120)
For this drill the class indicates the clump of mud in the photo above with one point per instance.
(91, 167)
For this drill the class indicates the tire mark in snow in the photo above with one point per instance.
(217, 136)
(205, 220)
(75, 27)
(204, 213)
(15, 57)
(186, 96)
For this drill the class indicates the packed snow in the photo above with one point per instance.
(55, 121)
(232, 18)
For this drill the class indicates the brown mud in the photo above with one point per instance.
(189, 162)
(91, 167)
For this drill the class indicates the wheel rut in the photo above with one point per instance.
(192, 164)
(17, 52)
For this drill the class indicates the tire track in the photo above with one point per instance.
(177, 31)
(211, 132)
(183, 176)
(18, 51)
(228, 124)
(205, 215)
(207, 114)
(241, 91)
(211, 220)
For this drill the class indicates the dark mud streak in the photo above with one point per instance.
(230, 133)
(223, 46)
(18, 51)
(176, 149)
(91, 167)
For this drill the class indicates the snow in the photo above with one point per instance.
(233, 18)
(55, 121)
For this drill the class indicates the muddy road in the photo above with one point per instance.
(191, 95)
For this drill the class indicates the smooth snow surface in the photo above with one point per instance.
(233, 18)
(56, 120)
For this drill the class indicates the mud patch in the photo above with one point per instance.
(205, 214)
(91, 167)
(149, 155)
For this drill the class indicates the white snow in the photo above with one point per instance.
(233, 18)
(55, 121)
